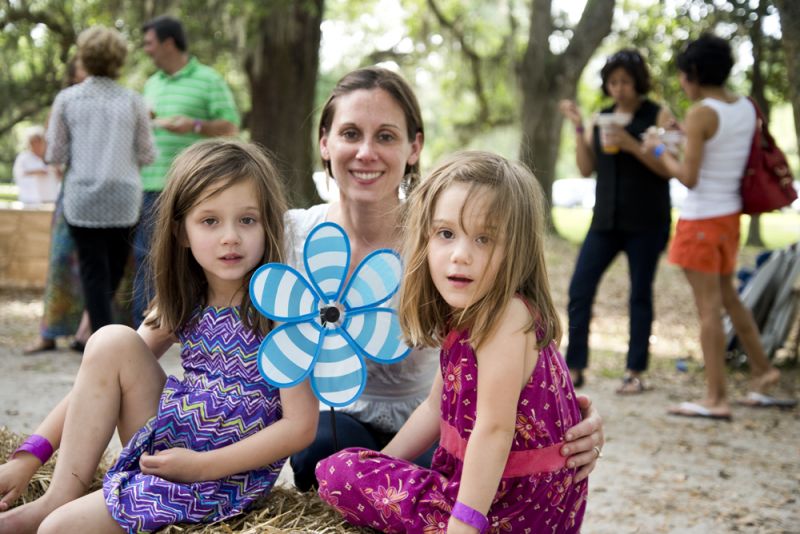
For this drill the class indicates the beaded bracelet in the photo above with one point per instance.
(36, 445)
(470, 516)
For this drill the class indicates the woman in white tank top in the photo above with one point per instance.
(719, 130)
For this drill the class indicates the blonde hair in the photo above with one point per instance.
(515, 208)
(200, 171)
(102, 51)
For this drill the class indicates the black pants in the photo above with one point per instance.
(598, 251)
(350, 432)
(102, 255)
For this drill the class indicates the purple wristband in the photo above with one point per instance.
(37, 446)
(470, 516)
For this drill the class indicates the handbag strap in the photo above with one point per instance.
(763, 122)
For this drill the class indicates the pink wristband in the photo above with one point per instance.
(37, 446)
(470, 516)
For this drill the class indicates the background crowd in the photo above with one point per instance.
(114, 149)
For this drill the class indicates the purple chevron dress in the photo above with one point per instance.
(536, 494)
(221, 400)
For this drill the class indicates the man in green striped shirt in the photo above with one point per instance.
(188, 101)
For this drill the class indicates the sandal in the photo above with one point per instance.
(43, 345)
(631, 385)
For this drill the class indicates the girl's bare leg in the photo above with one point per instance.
(86, 515)
(118, 386)
(708, 299)
(764, 374)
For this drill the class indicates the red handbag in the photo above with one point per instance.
(767, 183)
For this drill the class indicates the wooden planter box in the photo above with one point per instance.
(24, 245)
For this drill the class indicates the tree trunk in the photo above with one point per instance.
(282, 69)
(546, 78)
(789, 11)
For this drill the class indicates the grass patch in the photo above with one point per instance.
(778, 229)
(8, 192)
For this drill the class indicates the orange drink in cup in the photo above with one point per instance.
(604, 122)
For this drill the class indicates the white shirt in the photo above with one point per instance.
(393, 391)
(725, 154)
(102, 131)
(35, 188)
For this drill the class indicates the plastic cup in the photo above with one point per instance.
(605, 121)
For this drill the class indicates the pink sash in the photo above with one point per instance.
(519, 463)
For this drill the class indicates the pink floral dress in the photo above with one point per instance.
(536, 493)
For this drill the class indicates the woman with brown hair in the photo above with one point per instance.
(371, 136)
(102, 130)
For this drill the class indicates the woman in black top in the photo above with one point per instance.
(631, 212)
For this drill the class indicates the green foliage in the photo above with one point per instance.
(465, 103)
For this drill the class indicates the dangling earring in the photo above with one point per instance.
(408, 183)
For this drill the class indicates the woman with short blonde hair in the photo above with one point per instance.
(103, 130)
(102, 51)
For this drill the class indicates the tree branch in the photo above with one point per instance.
(593, 27)
(540, 28)
(23, 13)
(32, 108)
(473, 58)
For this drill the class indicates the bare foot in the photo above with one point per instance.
(26, 518)
(763, 382)
(42, 345)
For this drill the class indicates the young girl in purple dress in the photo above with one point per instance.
(198, 449)
(476, 284)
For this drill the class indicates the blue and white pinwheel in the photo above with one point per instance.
(329, 328)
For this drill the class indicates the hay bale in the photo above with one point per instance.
(285, 510)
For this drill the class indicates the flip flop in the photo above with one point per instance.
(692, 409)
(755, 399)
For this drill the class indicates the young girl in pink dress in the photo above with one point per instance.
(476, 284)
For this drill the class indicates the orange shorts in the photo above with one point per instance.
(706, 245)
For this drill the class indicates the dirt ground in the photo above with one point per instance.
(658, 473)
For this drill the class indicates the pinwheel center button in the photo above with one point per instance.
(329, 314)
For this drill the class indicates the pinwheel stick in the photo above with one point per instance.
(333, 429)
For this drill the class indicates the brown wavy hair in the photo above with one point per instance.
(516, 209)
(394, 84)
(200, 171)
(102, 51)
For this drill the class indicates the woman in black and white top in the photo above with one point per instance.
(101, 130)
